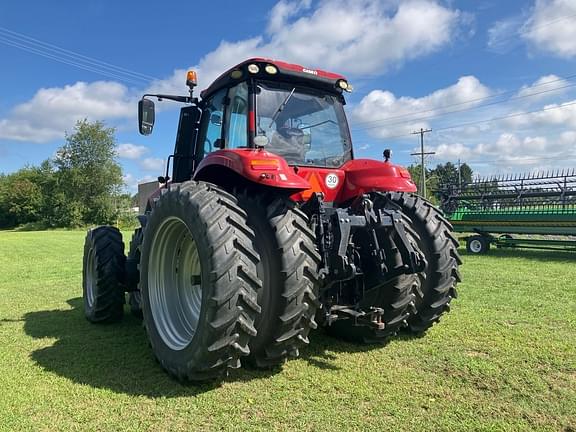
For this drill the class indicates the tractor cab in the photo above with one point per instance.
(287, 110)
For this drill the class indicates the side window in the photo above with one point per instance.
(236, 117)
(211, 127)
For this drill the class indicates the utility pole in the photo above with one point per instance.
(421, 132)
(459, 177)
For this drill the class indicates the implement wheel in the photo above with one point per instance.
(103, 275)
(393, 294)
(437, 283)
(288, 270)
(477, 245)
(198, 281)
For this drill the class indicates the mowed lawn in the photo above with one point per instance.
(504, 358)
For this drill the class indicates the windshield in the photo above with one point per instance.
(304, 128)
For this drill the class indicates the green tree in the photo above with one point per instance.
(447, 174)
(21, 197)
(431, 181)
(88, 178)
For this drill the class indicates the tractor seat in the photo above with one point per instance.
(288, 143)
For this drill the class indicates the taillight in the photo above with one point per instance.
(264, 164)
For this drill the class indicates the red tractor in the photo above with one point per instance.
(267, 228)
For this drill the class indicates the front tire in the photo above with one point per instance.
(103, 275)
(198, 281)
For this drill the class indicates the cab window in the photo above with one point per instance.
(236, 121)
(211, 126)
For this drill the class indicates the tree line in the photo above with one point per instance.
(443, 175)
(81, 185)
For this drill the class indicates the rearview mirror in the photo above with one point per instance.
(146, 116)
(216, 119)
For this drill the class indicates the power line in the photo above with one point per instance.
(385, 120)
(71, 63)
(530, 30)
(508, 160)
(520, 114)
(54, 52)
(68, 53)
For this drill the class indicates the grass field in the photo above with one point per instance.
(503, 359)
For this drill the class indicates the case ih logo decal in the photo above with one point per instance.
(310, 71)
(331, 180)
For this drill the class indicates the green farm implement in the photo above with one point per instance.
(541, 205)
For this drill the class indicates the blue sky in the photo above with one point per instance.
(445, 65)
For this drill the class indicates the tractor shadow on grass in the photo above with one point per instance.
(117, 356)
(108, 356)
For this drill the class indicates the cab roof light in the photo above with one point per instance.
(271, 69)
(236, 74)
(344, 85)
(191, 79)
(253, 68)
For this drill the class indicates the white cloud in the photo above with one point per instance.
(568, 138)
(507, 151)
(552, 27)
(282, 11)
(558, 114)
(452, 151)
(386, 115)
(545, 87)
(52, 111)
(153, 164)
(131, 151)
(365, 37)
(517, 143)
(129, 182)
(503, 35)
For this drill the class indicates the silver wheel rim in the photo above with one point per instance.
(174, 283)
(90, 277)
(475, 246)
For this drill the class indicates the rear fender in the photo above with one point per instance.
(255, 166)
(367, 175)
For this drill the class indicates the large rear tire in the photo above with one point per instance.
(288, 270)
(437, 283)
(198, 281)
(103, 275)
(393, 294)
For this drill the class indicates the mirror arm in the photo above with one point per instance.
(183, 99)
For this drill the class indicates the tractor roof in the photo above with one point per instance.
(281, 71)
